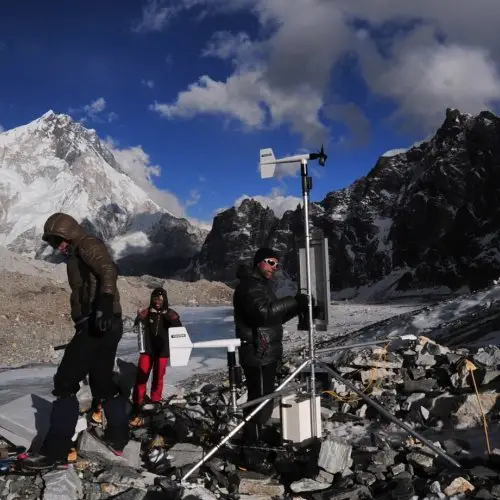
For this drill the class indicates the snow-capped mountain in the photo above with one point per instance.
(55, 164)
(423, 217)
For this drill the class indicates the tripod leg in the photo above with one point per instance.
(241, 424)
(390, 416)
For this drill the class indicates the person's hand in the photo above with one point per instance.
(303, 302)
(104, 314)
(142, 313)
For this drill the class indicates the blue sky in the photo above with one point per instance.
(202, 85)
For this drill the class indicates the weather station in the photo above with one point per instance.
(300, 412)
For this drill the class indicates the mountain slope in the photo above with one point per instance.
(55, 164)
(428, 216)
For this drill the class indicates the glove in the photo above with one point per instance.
(104, 314)
(303, 302)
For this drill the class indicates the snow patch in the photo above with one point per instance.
(383, 225)
(394, 152)
(400, 151)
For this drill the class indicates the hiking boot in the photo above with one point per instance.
(41, 462)
(135, 417)
(72, 455)
(136, 422)
(96, 416)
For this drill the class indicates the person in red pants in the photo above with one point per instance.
(156, 320)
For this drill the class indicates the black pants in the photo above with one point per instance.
(88, 353)
(259, 381)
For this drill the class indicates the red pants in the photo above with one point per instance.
(146, 363)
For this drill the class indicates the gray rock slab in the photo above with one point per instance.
(197, 492)
(185, 454)
(93, 449)
(62, 484)
(26, 420)
(132, 494)
(123, 476)
(261, 487)
(308, 484)
(334, 456)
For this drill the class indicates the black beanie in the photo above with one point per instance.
(264, 253)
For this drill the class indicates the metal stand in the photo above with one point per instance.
(233, 378)
(306, 187)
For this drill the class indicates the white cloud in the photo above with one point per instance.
(202, 224)
(194, 197)
(425, 56)
(155, 16)
(1, 128)
(236, 98)
(95, 111)
(137, 164)
(425, 79)
(95, 107)
(248, 98)
(148, 83)
(226, 45)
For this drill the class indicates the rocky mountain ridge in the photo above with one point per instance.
(56, 164)
(421, 218)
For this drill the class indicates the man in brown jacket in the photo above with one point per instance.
(97, 315)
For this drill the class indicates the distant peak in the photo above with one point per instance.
(49, 114)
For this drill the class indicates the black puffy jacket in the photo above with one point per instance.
(258, 317)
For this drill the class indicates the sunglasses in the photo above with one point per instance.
(54, 241)
(271, 262)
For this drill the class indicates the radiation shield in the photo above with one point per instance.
(320, 277)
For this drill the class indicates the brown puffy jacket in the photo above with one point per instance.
(91, 270)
